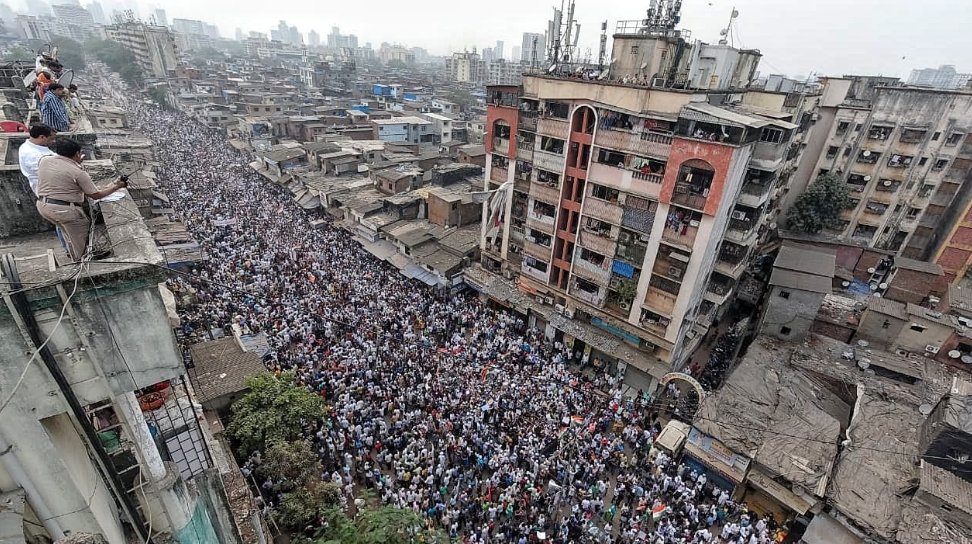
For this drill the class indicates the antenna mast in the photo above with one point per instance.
(602, 52)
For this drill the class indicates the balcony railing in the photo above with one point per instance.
(669, 268)
(534, 273)
(594, 299)
(592, 272)
(549, 126)
(660, 301)
(528, 120)
(652, 144)
(544, 192)
(650, 178)
(603, 210)
(500, 174)
(524, 152)
(549, 161)
(602, 245)
(501, 146)
(631, 253)
(689, 199)
(686, 240)
(521, 185)
(542, 223)
(537, 250)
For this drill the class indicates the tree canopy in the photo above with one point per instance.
(70, 52)
(820, 206)
(272, 411)
(378, 525)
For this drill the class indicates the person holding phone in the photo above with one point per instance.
(62, 186)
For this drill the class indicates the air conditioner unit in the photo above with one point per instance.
(559, 308)
(568, 313)
(540, 299)
(617, 283)
(738, 214)
(931, 349)
(548, 300)
(675, 272)
(625, 305)
(657, 82)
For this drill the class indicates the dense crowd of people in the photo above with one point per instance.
(437, 402)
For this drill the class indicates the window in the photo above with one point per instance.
(771, 135)
(925, 190)
(832, 151)
(842, 127)
(455, 205)
(953, 139)
(785, 331)
(917, 327)
(912, 135)
(900, 161)
(886, 324)
(936, 136)
(940, 164)
(784, 294)
(605, 193)
(634, 49)
(922, 161)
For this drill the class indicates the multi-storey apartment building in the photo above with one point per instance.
(898, 149)
(633, 209)
(153, 46)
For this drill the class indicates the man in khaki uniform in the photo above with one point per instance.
(62, 187)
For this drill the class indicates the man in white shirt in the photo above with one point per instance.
(33, 150)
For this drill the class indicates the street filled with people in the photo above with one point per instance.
(436, 401)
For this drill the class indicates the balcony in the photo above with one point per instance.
(528, 121)
(669, 268)
(524, 153)
(607, 174)
(650, 178)
(542, 223)
(594, 299)
(592, 272)
(686, 196)
(754, 194)
(660, 301)
(683, 236)
(768, 156)
(521, 185)
(549, 161)
(499, 174)
(545, 192)
(888, 186)
(652, 144)
(875, 208)
(536, 250)
(501, 146)
(741, 231)
(537, 274)
(631, 253)
(550, 126)
(600, 244)
(603, 210)
(718, 291)
(732, 264)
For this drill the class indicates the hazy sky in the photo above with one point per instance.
(796, 37)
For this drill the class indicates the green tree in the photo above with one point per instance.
(292, 461)
(70, 52)
(820, 206)
(272, 411)
(464, 99)
(378, 525)
(157, 94)
(303, 505)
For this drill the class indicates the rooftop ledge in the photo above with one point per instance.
(42, 263)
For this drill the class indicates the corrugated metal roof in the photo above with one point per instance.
(918, 266)
(886, 306)
(946, 486)
(721, 115)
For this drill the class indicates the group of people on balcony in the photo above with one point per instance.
(58, 105)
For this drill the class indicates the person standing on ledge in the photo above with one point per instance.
(33, 150)
(52, 109)
(63, 184)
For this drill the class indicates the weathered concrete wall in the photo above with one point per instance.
(18, 203)
(796, 313)
(213, 496)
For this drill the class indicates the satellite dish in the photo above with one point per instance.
(735, 13)
(866, 153)
(967, 359)
(66, 78)
(863, 364)
(873, 286)
(867, 178)
(925, 409)
(552, 68)
(30, 79)
(871, 270)
(723, 32)
(884, 285)
(886, 183)
(954, 354)
(845, 284)
(862, 343)
(644, 65)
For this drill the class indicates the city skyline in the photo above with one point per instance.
(832, 38)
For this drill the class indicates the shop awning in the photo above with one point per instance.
(417, 272)
(714, 463)
(762, 481)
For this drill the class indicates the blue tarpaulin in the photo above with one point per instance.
(623, 269)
